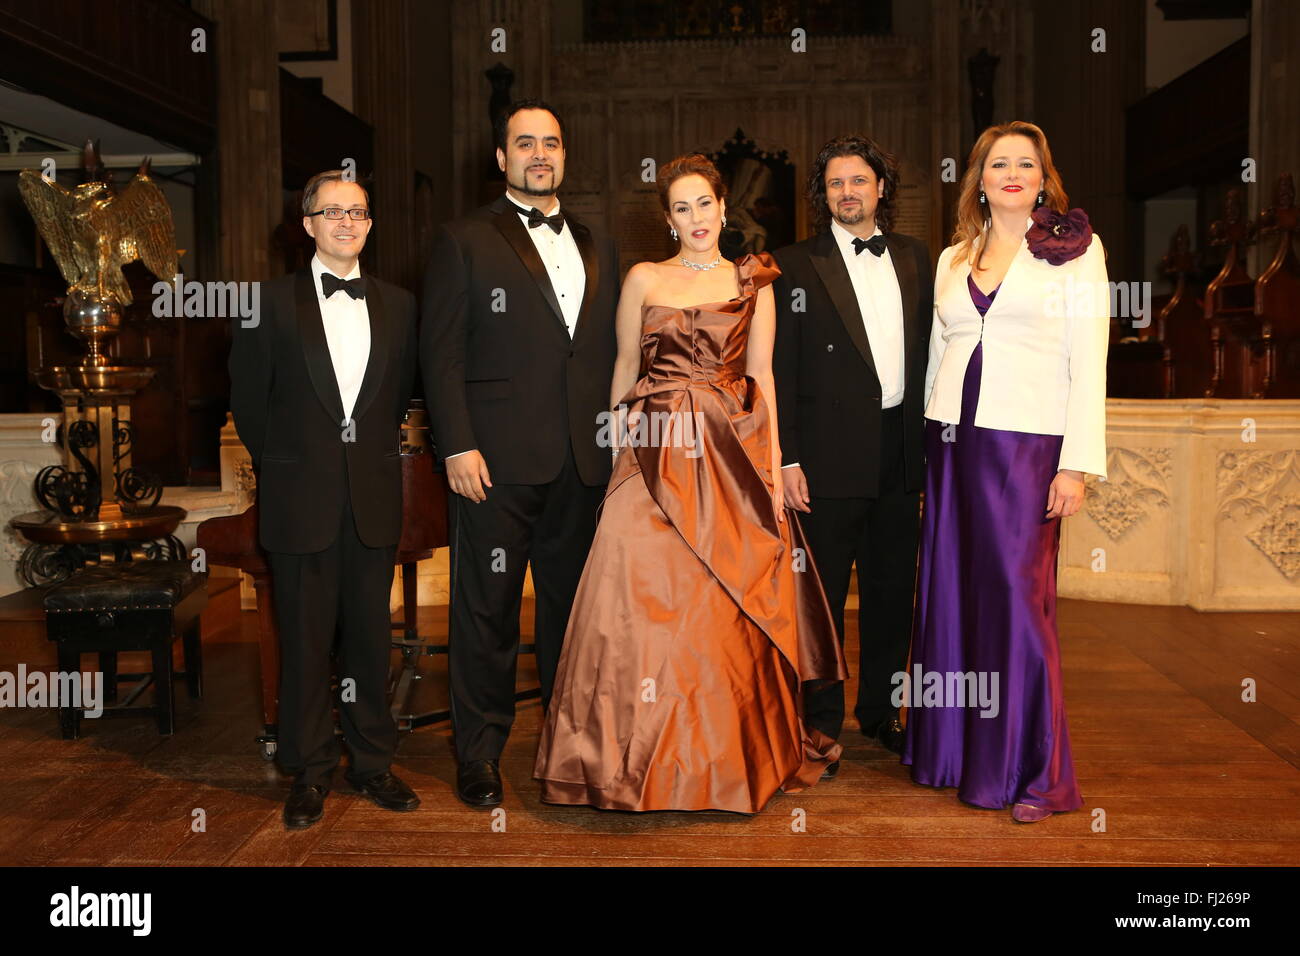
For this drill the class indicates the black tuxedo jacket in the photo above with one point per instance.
(289, 415)
(828, 393)
(499, 369)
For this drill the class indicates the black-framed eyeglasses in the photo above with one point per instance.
(336, 212)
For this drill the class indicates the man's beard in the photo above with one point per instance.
(850, 218)
(527, 190)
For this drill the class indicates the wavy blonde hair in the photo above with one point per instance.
(972, 218)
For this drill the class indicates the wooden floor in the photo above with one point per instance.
(1184, 771)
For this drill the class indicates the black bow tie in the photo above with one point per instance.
(535, 219)
(330, 283)
(876, 244)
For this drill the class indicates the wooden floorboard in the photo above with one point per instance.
(1182, 771)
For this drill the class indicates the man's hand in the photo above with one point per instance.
(796, 489)
(467, 474)
(1065, 496)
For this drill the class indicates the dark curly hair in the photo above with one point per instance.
(882, 163)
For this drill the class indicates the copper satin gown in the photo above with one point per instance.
(680, 683)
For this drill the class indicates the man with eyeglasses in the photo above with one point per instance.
(320, 381)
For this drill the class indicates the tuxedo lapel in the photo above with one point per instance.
(516, 234)
(590, 264)
(829, 264)
(900, 254)
(311, 330)
(380, 336)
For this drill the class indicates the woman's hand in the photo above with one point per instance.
(1065, 496)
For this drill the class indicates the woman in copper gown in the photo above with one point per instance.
(700, 614)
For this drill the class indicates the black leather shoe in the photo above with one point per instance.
(305, 806)
(385, 790)
(478, 783)
(889, 734)
(831, 770)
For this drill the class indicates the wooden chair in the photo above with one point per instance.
(1277, 295)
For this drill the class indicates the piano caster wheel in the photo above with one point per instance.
(268, 750)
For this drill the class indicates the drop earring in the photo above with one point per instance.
(983, 201)
(673, 230)
(1040, 199)
(724, 222)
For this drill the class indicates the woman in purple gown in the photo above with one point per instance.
(1015, 402)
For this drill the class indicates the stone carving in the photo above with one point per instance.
(1279, 537)
(731, 63)
(1139, 481)
(16, 478)
(1256, 482)
(1251, 479)
(245, 478)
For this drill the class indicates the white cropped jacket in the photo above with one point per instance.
(1045, 341)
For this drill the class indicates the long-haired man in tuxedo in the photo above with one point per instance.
(517, 352)
(854, 307)
(318, 387)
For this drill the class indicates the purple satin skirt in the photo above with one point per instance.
(985, 708)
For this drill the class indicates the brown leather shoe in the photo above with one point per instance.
(305, 806)
(385, 790)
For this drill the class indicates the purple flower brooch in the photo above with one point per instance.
(1057, 238)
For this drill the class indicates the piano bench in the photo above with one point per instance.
(136, 606)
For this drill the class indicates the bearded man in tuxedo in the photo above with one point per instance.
(849, 365)
(517, 352)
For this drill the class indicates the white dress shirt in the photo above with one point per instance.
(563, 263)
(564, 267)
(880, 301)
(1045, 341)
(347, 330)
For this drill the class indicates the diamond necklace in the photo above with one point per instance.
(698, 267)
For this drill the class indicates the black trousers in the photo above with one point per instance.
(345, 587)
(881, 535)
(549, 526)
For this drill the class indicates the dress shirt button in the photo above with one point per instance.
(830, 348)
